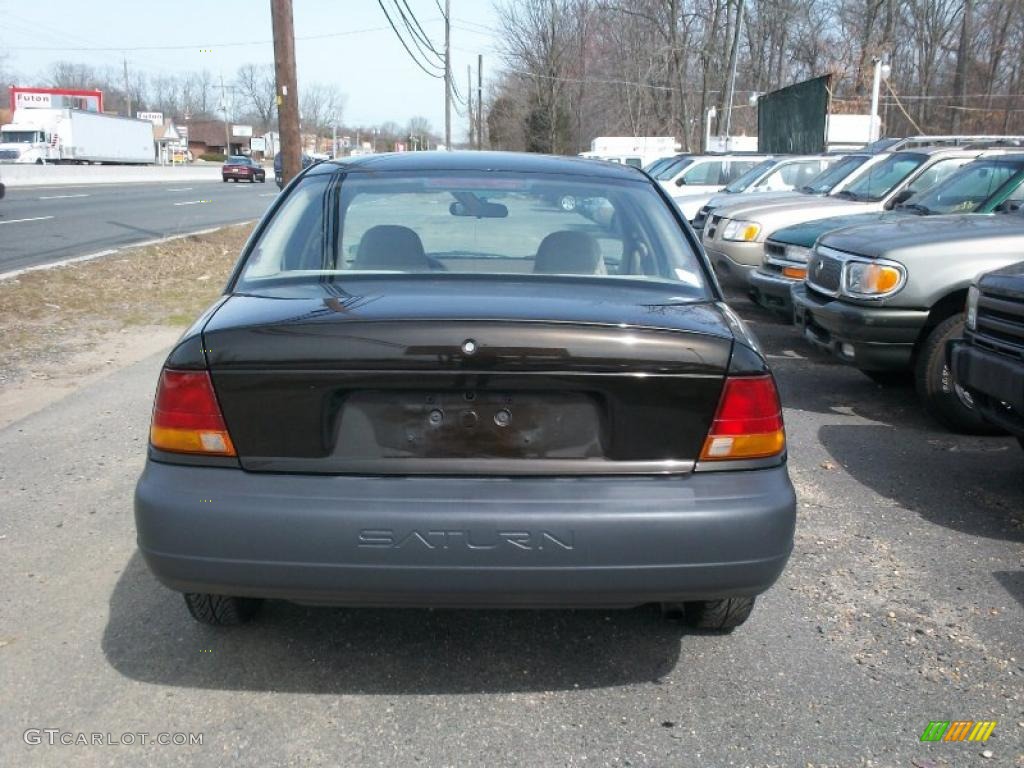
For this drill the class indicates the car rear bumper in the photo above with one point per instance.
(996, 383)
(437, 541)
(870, 338)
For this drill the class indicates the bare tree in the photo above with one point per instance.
(258, 88)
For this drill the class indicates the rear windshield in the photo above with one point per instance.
(238, 160)
(884, 177)
(969, 187)
(340, 225)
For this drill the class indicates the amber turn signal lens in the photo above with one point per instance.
(748, 422)
(795, 273)
(187, 417)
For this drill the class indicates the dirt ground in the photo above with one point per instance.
(63, 327)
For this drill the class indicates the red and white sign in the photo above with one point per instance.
(22, 97)
(25, 99)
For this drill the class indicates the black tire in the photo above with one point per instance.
(1021, 441)
(220, 610)
(263, 179)
(890, 378)
(224, 179)
(944, 401)
(719, 615)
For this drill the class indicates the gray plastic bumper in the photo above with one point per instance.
(437, 541)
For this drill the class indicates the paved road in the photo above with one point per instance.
(40, 225)
(903, 603)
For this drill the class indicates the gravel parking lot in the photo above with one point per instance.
(903, 603)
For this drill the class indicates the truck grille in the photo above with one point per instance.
(1000, 325)
(712, 227)
(8, 154)
(774, 253)
(701, 218)
(824, 273)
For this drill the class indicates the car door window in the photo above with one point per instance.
(936, 173)
(708, 173)
(735, 168)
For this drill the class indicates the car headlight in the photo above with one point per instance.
(797, 253)
(741, 231)
(972, 307)
(869, 279)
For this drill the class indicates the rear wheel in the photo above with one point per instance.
(942, 397)
(220, 610)
(718, 615)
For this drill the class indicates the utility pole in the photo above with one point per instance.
(287, 88)
(447, 75)
(479, 101)
(469, 103)
(127, 89)
(730, 91)
(224, 106)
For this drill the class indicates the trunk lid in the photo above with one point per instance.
(451, 376)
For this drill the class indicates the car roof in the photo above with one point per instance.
(519, 162)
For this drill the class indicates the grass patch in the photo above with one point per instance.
(50, 313)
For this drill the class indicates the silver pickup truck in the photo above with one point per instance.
(886, 297)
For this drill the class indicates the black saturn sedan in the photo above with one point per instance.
(426, 385)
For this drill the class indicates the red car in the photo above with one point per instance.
(239, 167)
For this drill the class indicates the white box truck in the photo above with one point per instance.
(640, 151)
(75, 136)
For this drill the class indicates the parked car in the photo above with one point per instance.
(307, 160)
(422, 387)
(989, 362)
(774, 174)
(886, 297)
(701, 174)
(830, 182)
(238, 167)
(734, 236)
(990, 185)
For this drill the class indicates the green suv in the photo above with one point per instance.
(991, 184)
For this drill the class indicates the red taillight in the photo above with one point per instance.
(748, 423)
(186, 416)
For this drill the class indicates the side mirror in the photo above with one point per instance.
(680, 181)
(902, 197)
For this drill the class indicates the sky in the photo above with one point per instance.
(354, 48)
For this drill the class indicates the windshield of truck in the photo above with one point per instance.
(969, 187)
(20, 137)
(830, 178)
(658, 165)
(751, 176)
(883, 178)
(337, 226)
(673, 169)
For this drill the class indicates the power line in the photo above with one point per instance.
(416, 40)
(422, 32)
(193, 46)
(404, 45)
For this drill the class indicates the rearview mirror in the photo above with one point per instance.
(484, 209)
